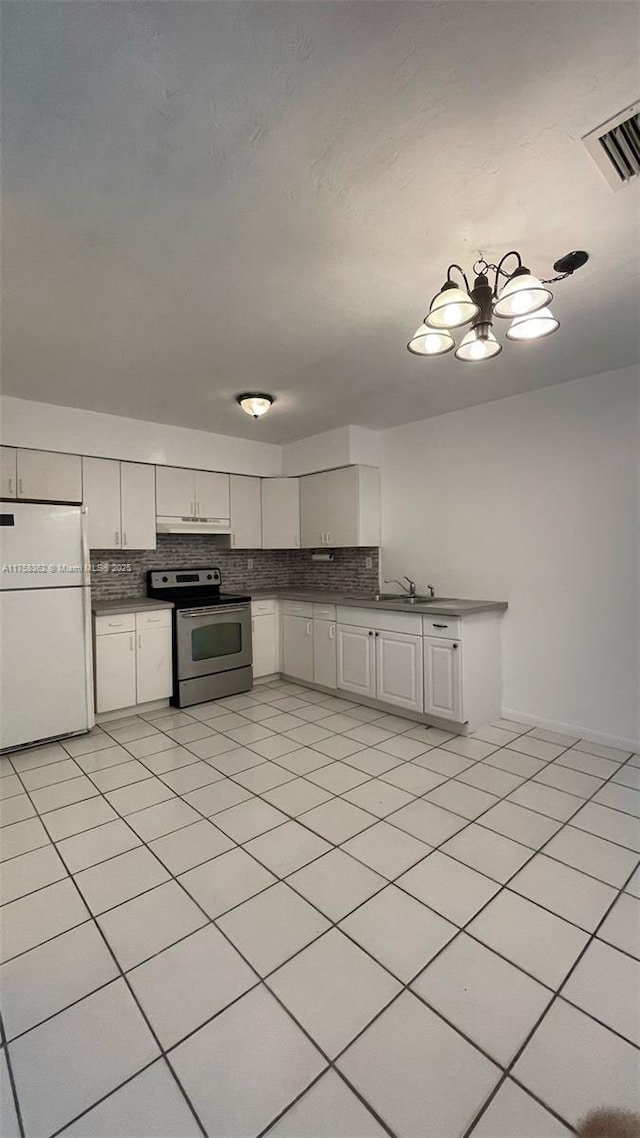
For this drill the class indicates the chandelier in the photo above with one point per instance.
(517, 296)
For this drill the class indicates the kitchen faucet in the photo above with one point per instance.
(394, 581)
(411, 590)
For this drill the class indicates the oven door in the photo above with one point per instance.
(213, 639)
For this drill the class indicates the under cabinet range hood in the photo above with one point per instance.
(194, 525)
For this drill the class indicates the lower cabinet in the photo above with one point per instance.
(442, 678)
(399, 669)
(356, 660)
(324, 653)
(381, 665)
(265, 628)
(297, 649)
(132, 659)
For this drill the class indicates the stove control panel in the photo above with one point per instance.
(184, 578)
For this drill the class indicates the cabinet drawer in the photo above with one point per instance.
(264, 607)
(298, 608)
(155, 618)
(385, 620)
(122, 622)
(324, 612)
(449, 627)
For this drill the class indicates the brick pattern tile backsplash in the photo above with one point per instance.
(116, 573)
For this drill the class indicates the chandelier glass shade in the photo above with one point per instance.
(535, 326)
(521, 295)
(451, 308)
(517, 296)
(427, 342)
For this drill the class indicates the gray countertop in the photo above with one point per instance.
(445, 607)
(128, 604)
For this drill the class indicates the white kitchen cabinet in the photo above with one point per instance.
(280, 513)
(246, 512)
(356, 660)
(297, 648)
(120, 497)
(132, 659)
(340, 507)
(211, 494)
(138, 505)
(153, 662)
(325, 660)
(115, 671)
(266, 650)
(46, 476)
(8, 472)
(399, 669)
(443, 678)
(175, 492)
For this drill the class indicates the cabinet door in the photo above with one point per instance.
(324, 653)
(443, 678)
(101, 495)
(8, 472)
(153, 664)
(246, 512)
(212, 494)
(266, 660)
(314, 516)
(138, 505)
(356, 660)
(342, 506)
(298, 647)
(399, 669)
(280, 513)
(175, 492)
(115, 671)
(49, 477)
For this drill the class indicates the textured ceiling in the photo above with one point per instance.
(205, 197)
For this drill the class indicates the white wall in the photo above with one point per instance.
(534, 499)
(48, 427)
(344, 446)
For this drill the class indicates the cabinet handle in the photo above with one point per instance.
(139, 640)
(370, 634)
(20, 490)
(131, 643)
(116, 538)
(377, 633)
(328, 539)
(454, 645)
(10, 487)
(440, 625)
(253, 625)
(308, 628)
(332, 631)
(233, 540)
(124, 540)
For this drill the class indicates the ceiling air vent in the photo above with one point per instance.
(615, 147)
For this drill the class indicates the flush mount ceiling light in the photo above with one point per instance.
(255, 403)
(517, 296)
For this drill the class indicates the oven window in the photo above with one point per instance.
(219, 639)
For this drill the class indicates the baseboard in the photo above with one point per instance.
(572, 729)
(137, 709)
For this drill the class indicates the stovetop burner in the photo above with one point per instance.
(188, 588)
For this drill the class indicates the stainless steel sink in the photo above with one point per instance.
(419, 599)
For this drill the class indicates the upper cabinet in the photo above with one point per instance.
(340, 507)
(280, 513)
(212, 495)
(8, 472)
(184, 493)
(120, 497)
(41, 475)
(246, 512)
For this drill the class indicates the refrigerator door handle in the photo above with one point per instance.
(86, 602)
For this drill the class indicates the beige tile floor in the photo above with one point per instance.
(287, 913)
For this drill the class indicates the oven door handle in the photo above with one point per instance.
(192, 614)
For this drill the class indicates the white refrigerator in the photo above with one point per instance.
(46, 680)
